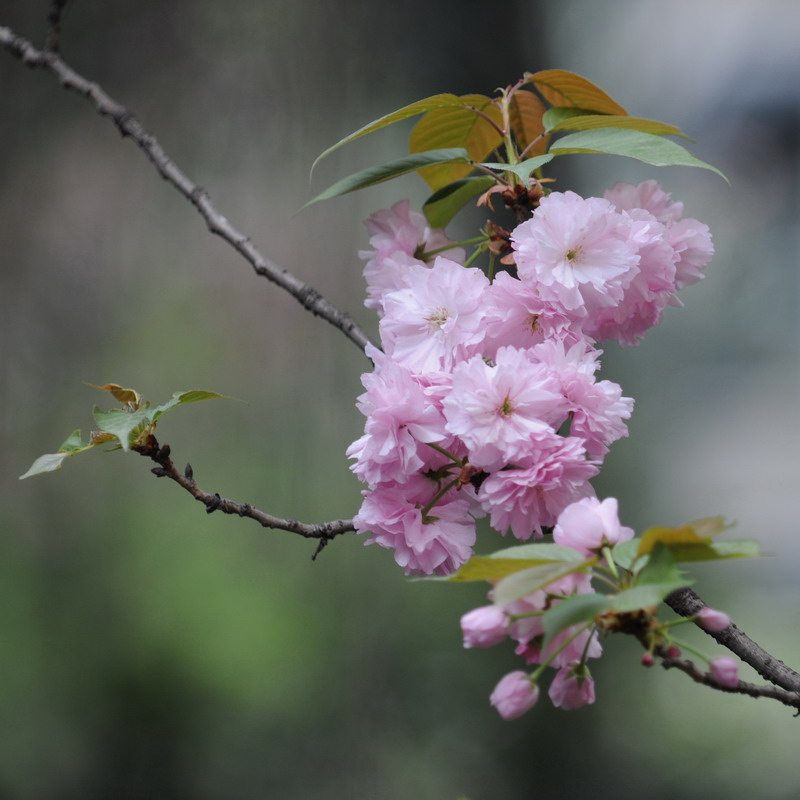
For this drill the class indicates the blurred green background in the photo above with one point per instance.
(152, 651)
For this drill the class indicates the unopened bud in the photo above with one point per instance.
(673, 651)
(709, 619)
(648, 660)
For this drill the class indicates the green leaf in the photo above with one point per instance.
(642, 146)
(594, 121)
(698, 532)
(412, 110)
(660, 568)
(543, 551)
(513, 559)
(445, 203)
(180, 399)
(45, 463)
(625, 553)
(525, 112)
(72, 443)
(645, 596)
(562, 88)
(571, 611)
(557, 114)
(524, 169)
(392, 169)
(715, 551)
(121, 424)
(530, 580)
(457, 127)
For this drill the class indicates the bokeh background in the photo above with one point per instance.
(151, 651)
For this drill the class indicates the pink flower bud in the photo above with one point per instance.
(648, 660)
(514, 695)
(484, 626)
(709, 619)
(673, 651)
(569, 690)
(723, 670)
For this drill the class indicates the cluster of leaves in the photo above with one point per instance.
(507, 139)
(640, 572)
(123, 428)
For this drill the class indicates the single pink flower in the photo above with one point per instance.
(437, 319)
(647, 195)
(724, 671)
(588, 525)
(514, 695)
(498, 410)
(572, 688)
(533, 494)
(439, 542)
(709, 619)
(484, 626)
(577, 252)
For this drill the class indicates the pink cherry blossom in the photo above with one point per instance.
(724, 670)
(647, 195)
(597, 409)
(532, 495)
(514, 695)
(399, 237)
(437, 320)
(577, 252)
(709, 619)
(588, 525)
(692, 243)
(516, 315)
(438, 543)
(570, 690)
(498, 410)
(484, 626)
(401, 418)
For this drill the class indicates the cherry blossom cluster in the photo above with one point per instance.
(484, 399)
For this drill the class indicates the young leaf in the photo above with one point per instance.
(120, 423)
(556, 115)
(625, 553)
(457, 127)
(660, 568)
(693, 533)
(392, 169)
(412, 110)
(525, 111)
(514, 559)
(445, 203)
(646, 596)
(642, 146)
(524, 169)
(562, 88)
(129, 397)
(594, 121)
(571, 611)
(181, 398)
(532, 579)
(45, 463)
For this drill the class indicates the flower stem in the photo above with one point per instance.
(439, 449)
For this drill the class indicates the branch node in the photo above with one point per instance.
(245, 509)
(213, 504)
(159, 472)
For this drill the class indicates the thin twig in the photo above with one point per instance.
(687, 603)
(788, 698)
(161, 454)
(52, 44)
(128, 125)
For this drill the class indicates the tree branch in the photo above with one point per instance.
(687, 603)
(128, 125)
(788, 698)
(323, 531)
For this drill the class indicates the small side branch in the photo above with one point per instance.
(687, 603)
(129, 126)
(788, 698)
(52, 44)
(324, 532)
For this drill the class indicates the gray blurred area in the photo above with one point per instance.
(152, 651)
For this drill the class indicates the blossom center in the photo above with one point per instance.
(506, 409)
(438, 317)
